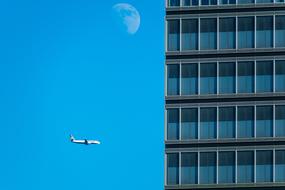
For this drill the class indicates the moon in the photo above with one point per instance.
(128, 17)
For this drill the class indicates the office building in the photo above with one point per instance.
(225, 94)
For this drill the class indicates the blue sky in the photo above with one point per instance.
(65, 67)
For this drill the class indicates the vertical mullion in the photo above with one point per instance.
(254, 120)
(236, 166)
(254, 163)
(236, 31)
(199, 123)
(273, 31)
(274, 61)
(198, 167)
(199, 83)
(218, 32)
(180, 80)
(254, 72)
(179, 169)
(217, 124)
(236, 66)
(274, 107)
(199, 31)
(217, 166)
(273, 165)
(236, 122)
(254, 30)
(179, 127)
(180, 39)
(217, 80)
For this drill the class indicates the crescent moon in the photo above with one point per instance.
(129, 15)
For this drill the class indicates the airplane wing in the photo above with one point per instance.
(79, 141)
(93, 142)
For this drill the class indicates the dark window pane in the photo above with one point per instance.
(246, 32)
(226, 167)
(208, 30)
(245, 122)
(264, 76)
(225, 2)
(280, 31)
(245, 167)
(174, 3)
(173, 124)
(227, 33)
(245, 1)
(189, 168)
(190, 34)
(172, 169)
(264, 166)
(227, 122)
(189, 80)
(280, 166)
(173, 79)
(189, 124)
(280, 121)
(280, 76)
(264, 1)
(173, 35)
(246, 77)
(227, 79)
(208, 167)
(208, 78)
(264, 32)
(264, 121)
(208, 123)
(190, 2)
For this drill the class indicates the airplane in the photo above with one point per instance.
(85, 141)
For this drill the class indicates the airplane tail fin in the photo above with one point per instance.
(72, 138)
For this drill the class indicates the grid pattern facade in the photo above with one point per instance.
(225, 94)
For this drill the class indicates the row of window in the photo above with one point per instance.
(225, 122)
(194, 3)
(226, 33)
(225, 167)
(226, 77)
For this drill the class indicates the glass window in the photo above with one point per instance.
(227, 33)
(264, 1)
(208, 167)
(173, 79)
(280, 31)
(190, 2)
(264, 32)
(226, 167)
(264, 76)
(190, 34)
(189, 79)
(226, 2)
(173, 124)
(174, 3)
(245, 1)
(227, 122)
(245, 122)
(245, 167)
(189, 168)
(264, 121)
(227, 78)
(280, 76)
(246, 77)
(189, 124)
(208, 2)
(245, 32)
(208, 78)
(208, 123)
(280, 165)
(280, 121)
(172, 169)
(279, 1)
(208, 36)
(173, 35)
(264, 166)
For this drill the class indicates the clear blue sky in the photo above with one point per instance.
(66, 68)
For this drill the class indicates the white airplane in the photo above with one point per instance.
(85, 141)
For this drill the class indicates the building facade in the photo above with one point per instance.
(225, 94)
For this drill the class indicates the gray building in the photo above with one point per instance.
(225, 94)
